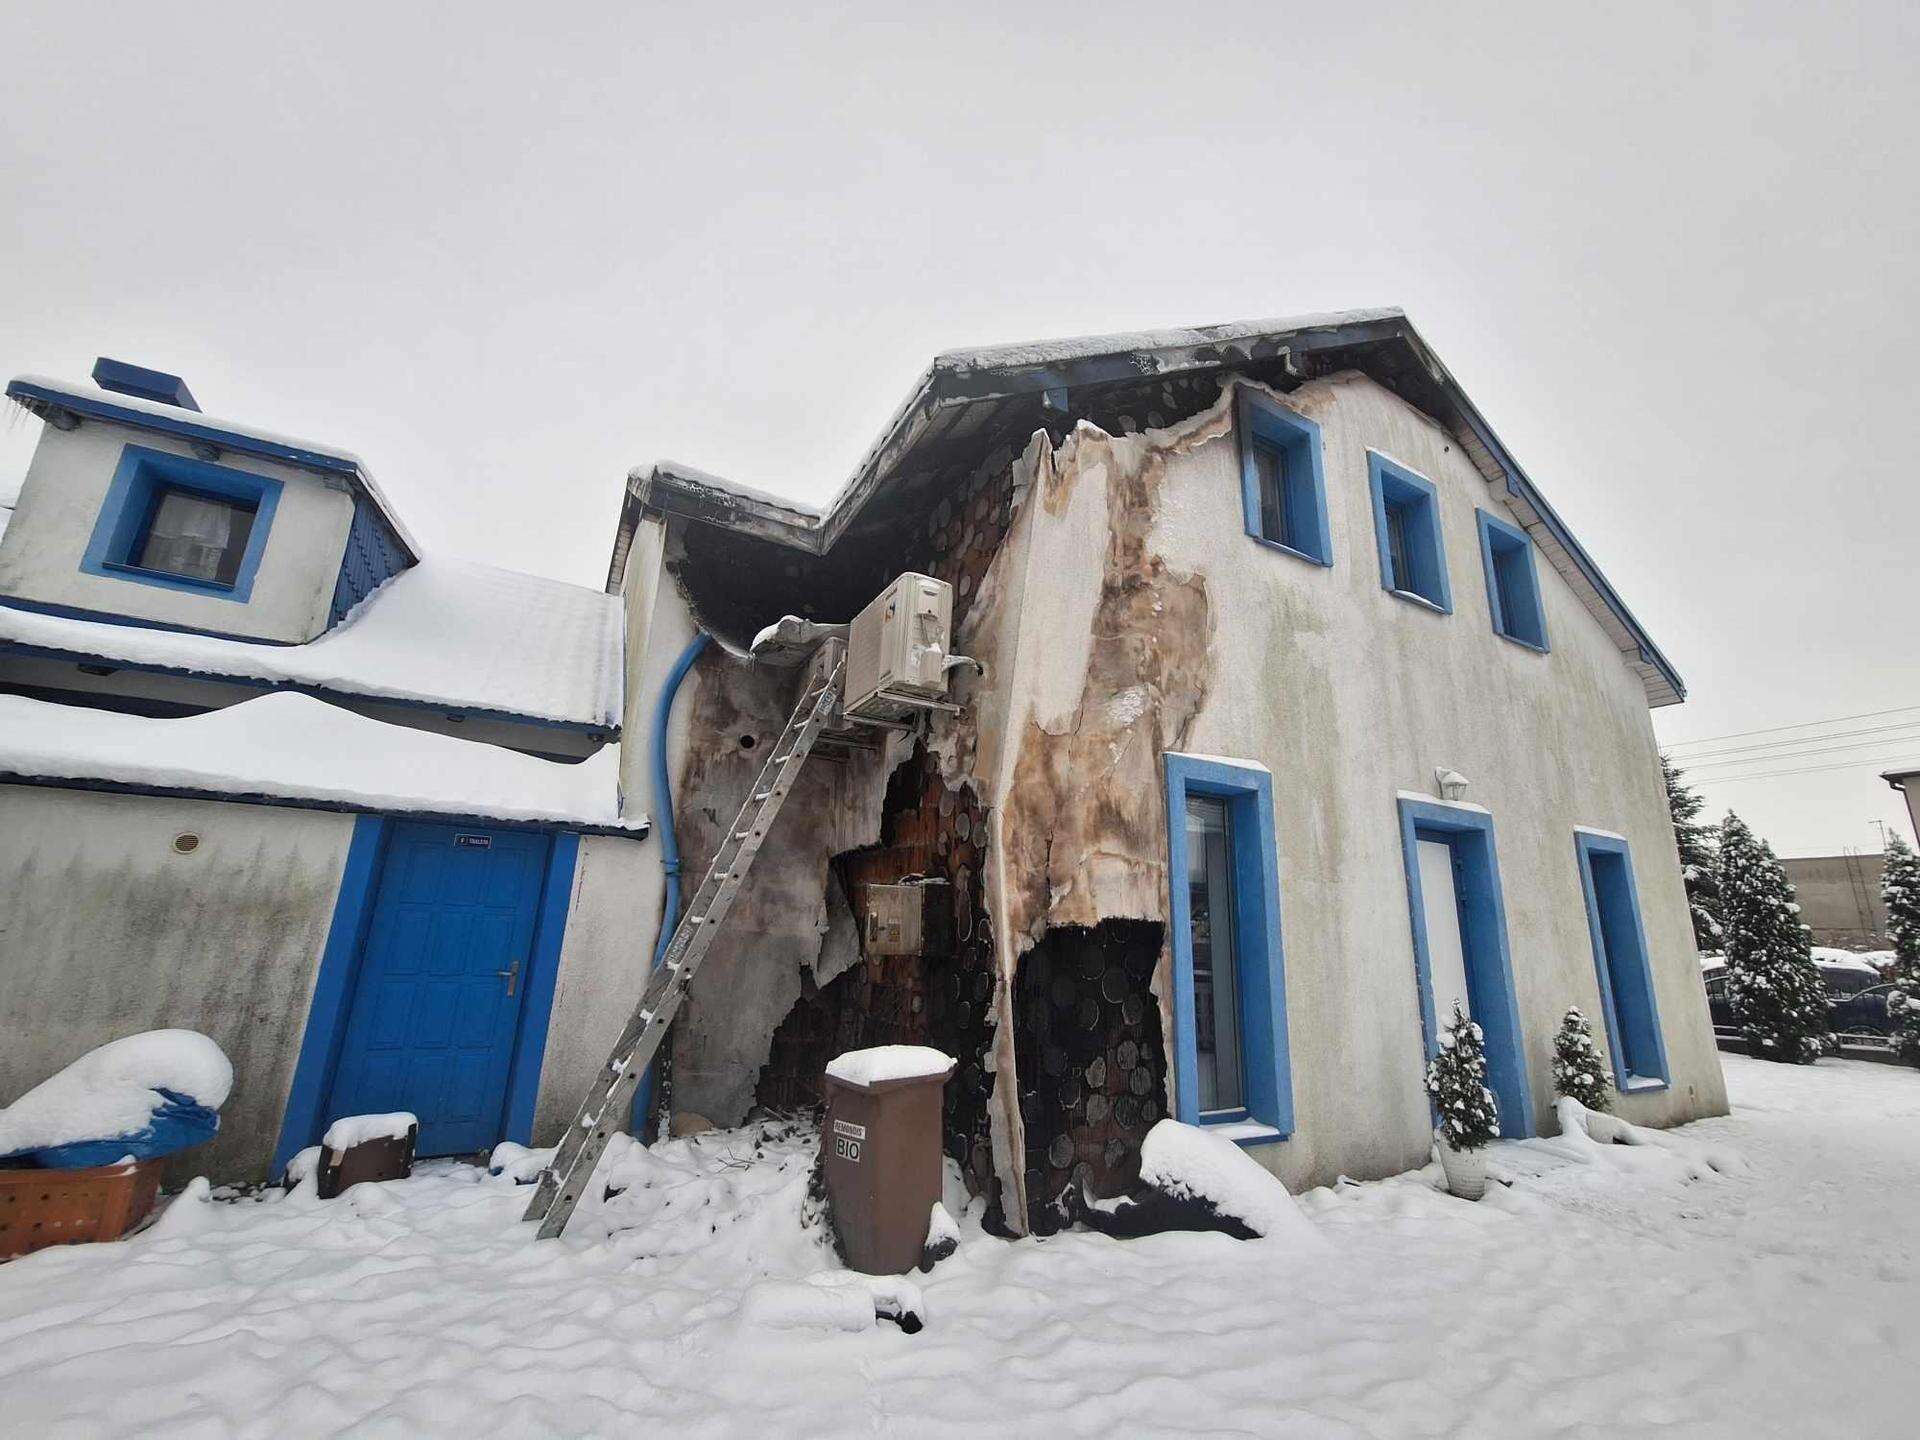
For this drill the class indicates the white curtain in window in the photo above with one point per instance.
(189, 536)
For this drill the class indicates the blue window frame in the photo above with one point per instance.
(1638, 1049)
(1229, 846)
(1283, 486)
(182, 524)
(1406, 520)
(1513, 586)
(1473, 866)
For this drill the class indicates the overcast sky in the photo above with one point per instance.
(506, 253)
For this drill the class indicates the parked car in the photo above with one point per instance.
(1859, 998)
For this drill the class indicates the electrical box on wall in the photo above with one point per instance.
(896, 920)
(897, 650)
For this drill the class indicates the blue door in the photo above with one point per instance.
(437, 1003)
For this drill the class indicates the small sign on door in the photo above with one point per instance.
(473, 842)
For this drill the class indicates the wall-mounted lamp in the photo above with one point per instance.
(1450, 783)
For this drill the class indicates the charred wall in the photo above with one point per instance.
(934, 834)
(1090, 1058)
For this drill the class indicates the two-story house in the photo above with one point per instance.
(1303, 716)
(270, 771)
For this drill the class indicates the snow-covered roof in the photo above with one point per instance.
(450, 633)
(297, 749)
(969, 401)
(41, 393)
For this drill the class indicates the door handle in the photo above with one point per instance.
(511, 975)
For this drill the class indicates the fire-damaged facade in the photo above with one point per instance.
(1297, 716)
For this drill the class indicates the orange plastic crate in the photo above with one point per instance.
(39, 1207)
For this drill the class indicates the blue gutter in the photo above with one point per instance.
(669, 842)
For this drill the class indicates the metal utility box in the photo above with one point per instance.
(880, 1148)
(897, 649)
(896, 920)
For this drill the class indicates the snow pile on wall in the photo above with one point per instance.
(296, 747)
(114, 1090)
(1184, 1161)
(452, 632)
(889, 1062)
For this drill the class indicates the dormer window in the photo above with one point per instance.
(182, 524)
(195, 536)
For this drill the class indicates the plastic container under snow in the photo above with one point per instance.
(140, 1097)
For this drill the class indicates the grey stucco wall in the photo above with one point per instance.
(1350, 695)
(60, 501)
(1839, 898)
(105, 931)
(612, 914)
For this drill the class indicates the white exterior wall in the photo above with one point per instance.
(612, 915)
(60, 501)
(1350, 695)
(106, 930)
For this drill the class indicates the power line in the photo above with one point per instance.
(1773, 756)
(1689, 761)
(1808, 770)
(1802, 725)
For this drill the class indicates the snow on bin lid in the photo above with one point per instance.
(111, 1091)
(890, 1062)
(351, 1130)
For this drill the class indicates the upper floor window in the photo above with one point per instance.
(1513, 587)
(1406, 517)
(182, 524)
(1230, 1012)
(195, 536)
(1283, 487)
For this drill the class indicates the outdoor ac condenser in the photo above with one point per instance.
(897, 650)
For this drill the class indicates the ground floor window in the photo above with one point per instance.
(1620, 962)
(1230, 1021)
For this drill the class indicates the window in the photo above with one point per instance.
(1513, 587)
(1638, 1049)
(182, 524)
(1406, 516)
(1230, 1017)
(1283, 488)
(194, 536)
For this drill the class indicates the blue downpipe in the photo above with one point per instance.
(662, 815)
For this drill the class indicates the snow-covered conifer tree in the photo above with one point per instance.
(1900, 888)
(1699, 866)
(1579, 1071)
(1779, 1000)
(1457, 1081)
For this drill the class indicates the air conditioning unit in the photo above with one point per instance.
(897, 651)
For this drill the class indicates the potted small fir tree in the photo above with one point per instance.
(1468, 1118)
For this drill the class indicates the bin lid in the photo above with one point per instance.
(882, 1067)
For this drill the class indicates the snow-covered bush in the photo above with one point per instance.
(1699, 866)
(1457, 1081)
(1779, 1000)
(1579, 1070)
(1900, 888)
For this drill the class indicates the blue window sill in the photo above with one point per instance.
(1242, 1130)
(1422, 601)
(169, 581)
(1289, 550)
(1523, 644)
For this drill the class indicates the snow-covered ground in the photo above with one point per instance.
(1616, 1297)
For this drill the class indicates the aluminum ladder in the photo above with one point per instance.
(565, 1179)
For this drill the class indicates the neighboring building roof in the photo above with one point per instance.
(453, 634)
(47, 398)
(293, 749)
(970, 401)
